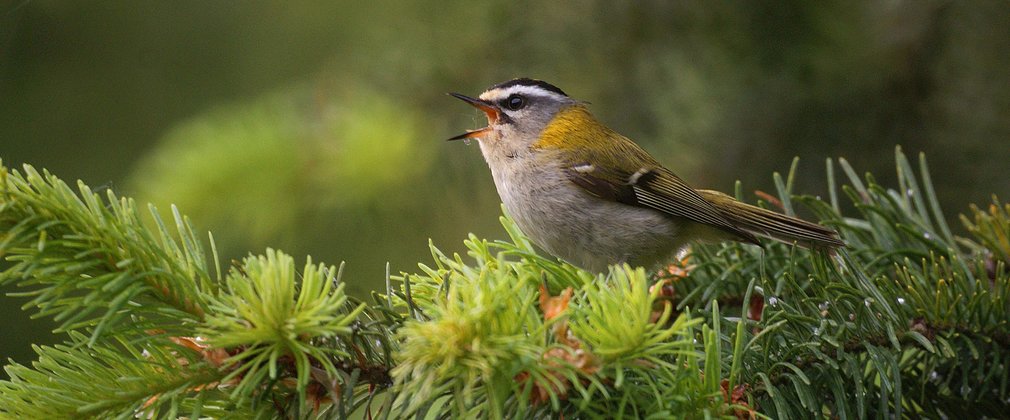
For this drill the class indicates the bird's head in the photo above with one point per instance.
(517, 111)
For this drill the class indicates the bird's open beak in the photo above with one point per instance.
(492, 111)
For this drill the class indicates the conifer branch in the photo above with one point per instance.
(909, 320)
(63, 244)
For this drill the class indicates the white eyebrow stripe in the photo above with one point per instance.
(499, 93)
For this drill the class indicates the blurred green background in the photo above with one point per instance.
(318, 127)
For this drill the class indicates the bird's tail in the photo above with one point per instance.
(773, 225)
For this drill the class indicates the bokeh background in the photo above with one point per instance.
(318, 127)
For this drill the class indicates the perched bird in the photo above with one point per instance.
(593, 197)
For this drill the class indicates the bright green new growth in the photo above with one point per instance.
(616, 320)
(272, 312)
(908, 321)
(471, 330)
(477, 343)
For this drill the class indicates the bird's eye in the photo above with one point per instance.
(514, 102)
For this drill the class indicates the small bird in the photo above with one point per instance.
(593, 197)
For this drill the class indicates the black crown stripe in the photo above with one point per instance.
(529, 82)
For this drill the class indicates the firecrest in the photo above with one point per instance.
(593, 197)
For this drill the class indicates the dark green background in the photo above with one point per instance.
(317, 127)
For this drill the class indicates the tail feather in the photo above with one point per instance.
(773, 225)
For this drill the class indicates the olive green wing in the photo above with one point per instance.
(623, 178)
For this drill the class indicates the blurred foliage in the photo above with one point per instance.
(289, 163)
(316, 126)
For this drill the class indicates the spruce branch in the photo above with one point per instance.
(92, 263)
(272, 318)
(478, 346)
(909, 320)
(158, 333)
(900, 305)
(115, 378)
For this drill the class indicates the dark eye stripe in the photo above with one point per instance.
(514, 102)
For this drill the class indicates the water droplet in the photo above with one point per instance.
(934, 376)
(927, 236)
(817, 331)
(868, 302)
(910, 192)
(901, 301)
(852, 316)
(773, 301)
(823, 306)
